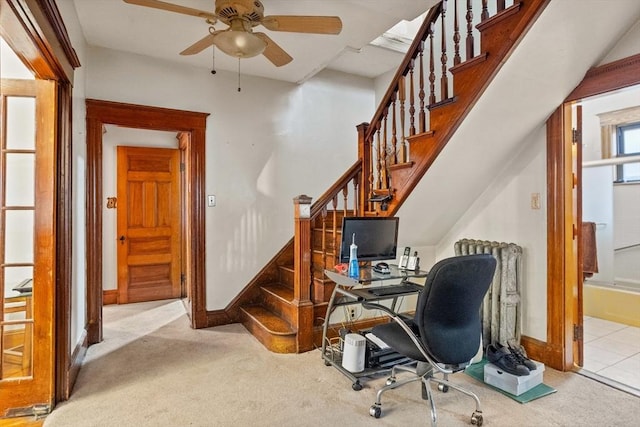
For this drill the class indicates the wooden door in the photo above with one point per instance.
(27, 246)
(149, 231)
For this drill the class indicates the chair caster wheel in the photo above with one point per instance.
(476, 419)
(356, 386)
(327, 363)
(375, 411)
(443, 388)
(390, 381)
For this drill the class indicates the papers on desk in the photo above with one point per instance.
(377, 341)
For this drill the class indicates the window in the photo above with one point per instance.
(628, 144)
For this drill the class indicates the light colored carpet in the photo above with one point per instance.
(154, 370)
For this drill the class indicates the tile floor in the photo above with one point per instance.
(612, 350)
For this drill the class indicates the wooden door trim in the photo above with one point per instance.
(99, 113)
(36, 32)
(561, 295)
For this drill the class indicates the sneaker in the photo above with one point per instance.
(521, 355)
(505, 360)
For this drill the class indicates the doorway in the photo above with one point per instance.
(565, 304)
(193, 124)
(611, 208)
(142, 216)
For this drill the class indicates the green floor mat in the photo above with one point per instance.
(477, 371)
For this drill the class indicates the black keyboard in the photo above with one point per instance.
(402, 288)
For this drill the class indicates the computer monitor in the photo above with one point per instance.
(376, 238)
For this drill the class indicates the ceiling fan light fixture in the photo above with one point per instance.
(240, 44)
(239, 41)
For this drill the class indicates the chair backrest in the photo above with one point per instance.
(448, 309)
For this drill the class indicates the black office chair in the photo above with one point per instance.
(445, 332)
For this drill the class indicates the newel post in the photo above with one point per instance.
(302, 272)
(366, 174)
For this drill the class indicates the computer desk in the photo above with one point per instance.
(351, 291)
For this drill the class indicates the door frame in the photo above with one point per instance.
(100, 113)
(563, 297)
(36, 32)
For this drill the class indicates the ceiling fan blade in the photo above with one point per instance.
(201, 44)
(273, 52)
(157, 4)
(303, 24)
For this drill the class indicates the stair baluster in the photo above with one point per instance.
(470, 41)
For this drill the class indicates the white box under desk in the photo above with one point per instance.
(510, 383)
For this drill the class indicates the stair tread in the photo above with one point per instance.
(280, 290)
(269, 320)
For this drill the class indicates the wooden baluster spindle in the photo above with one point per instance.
(356, 181)
(432, 67)
(384, 149)
(422, 119)
(456, 34)
(323, 243)
(345, 199)
(500, 5)
(485, 10)
(379, 158)
(334, 220)
(412, 108)
(470, 42)
(402, 156)
(444, 79)
(371, 165)
(394, 139)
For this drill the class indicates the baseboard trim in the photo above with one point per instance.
(110, 297)
(542, 352)
(218, 318)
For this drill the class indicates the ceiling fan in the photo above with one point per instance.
(241, 16)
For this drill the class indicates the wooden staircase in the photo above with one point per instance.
(284, 306)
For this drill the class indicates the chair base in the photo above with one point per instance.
(424, 372)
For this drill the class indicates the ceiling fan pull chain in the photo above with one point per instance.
(239, 75)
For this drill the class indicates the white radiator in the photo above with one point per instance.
(501, 308)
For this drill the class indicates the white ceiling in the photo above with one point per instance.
(120, 26)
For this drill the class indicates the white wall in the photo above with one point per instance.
(265, 145)
(503, 213)
(627, 233)
(627, 46)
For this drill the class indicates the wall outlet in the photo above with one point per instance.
(352, 312)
